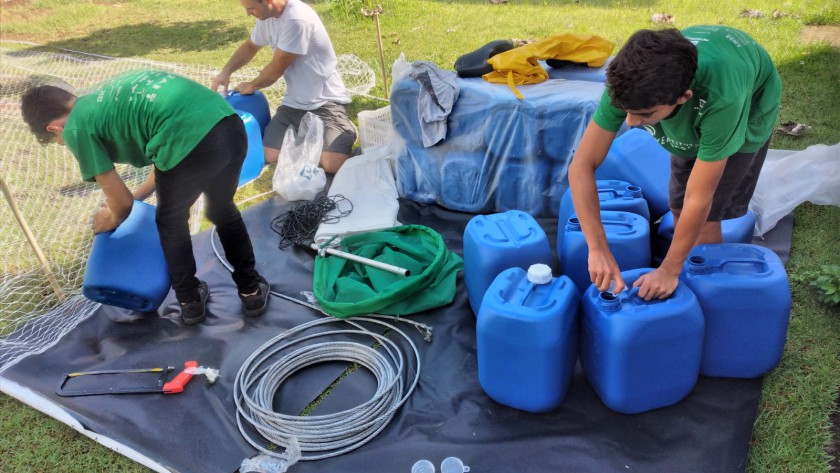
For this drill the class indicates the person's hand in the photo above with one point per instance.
(222, 80)
(603, 270)
(245, 88)
(659, 284)
(103, 220)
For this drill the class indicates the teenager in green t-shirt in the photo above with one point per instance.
(710, 95)
(196, 143)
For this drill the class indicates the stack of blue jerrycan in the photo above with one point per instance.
(126, 267)
(496, 242)
(527, 338)
(255, 114)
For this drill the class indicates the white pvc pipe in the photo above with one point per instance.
(350, 256)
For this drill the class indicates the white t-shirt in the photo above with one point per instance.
(312, 79)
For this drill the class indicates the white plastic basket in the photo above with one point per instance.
(375, 127)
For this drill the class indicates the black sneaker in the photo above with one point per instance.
(194, 312)
(255, 305)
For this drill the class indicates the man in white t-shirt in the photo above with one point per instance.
(305, 58)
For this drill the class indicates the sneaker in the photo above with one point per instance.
(255, 305)
(194, 312)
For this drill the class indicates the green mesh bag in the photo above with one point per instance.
(346, 288)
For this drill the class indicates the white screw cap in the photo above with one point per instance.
(539, 274)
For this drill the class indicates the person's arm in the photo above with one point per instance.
(270, 74)
(590, 153)
(699, 191)
(119, 201)
(243, 55)
(147, 188)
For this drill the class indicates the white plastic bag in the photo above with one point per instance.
(810, 175)
(298, 176)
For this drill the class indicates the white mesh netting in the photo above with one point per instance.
(41, 301)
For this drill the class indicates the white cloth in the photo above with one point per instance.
(368, 182)
(788, 179)
(439, 91)
(313, 78)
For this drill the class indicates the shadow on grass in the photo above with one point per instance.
(140, 39)
(810, 95)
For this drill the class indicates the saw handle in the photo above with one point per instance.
(177, 384)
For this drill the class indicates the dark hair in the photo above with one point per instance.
(652, 68)
(42, 104)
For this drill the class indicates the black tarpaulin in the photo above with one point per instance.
(447, 415)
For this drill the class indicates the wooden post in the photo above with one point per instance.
(375, 12)
(31, 239)
(381, 53)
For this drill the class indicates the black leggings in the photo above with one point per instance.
(213, 168)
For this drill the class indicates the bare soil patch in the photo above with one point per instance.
(828, 33)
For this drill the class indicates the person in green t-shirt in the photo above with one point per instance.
(196, 143)
(710, 95)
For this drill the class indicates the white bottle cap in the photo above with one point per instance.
(539, 274)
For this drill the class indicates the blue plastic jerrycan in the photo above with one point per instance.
(126, 267)
(255, 159)
(734, 230)
(523, 185)
(613, 194)
(527, 338)
(256, 104)
(628, 236)
(466, 181)
(637, 157)
(640, 355)
(496, 242)
(744, 292)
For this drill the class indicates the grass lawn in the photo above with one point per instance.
(793, 429)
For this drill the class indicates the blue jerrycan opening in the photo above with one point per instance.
(126, 267)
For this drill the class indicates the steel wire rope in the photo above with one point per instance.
(261, 375)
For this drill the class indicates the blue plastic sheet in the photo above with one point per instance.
(500, 153)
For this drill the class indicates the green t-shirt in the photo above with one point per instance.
(141, 118)
(737, 93)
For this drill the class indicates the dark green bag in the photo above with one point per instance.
(346, 288)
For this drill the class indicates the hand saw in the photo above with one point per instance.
(160, 386)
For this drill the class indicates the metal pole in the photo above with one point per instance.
(359, 259)
(31, 239)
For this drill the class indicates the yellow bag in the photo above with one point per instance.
(520, 66)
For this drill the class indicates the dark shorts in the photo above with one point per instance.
(339, 132)
(734, 191)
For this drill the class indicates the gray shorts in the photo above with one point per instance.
(734, 191)
(339, 131)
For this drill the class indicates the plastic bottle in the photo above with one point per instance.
(493, 243)
(612, 195)
(527, 338)
(126, 267)
(744, 292)
(641, 355)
